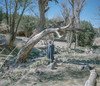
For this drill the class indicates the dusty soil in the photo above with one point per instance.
(67, 73)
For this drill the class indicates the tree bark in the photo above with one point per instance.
(70, 40)
(77, 11)
(7, 18)
(10, 17)
(12, 28)
(42, 6)
(76, 40)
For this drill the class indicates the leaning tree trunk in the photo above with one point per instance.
(23, 53)
(12, 32)
(92, 79)
(14, 26)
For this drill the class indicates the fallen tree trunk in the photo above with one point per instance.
(92, 78)
(23, 53)
(33, 40)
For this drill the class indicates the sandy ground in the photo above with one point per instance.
(24, 76)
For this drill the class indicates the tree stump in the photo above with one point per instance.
(92, 78)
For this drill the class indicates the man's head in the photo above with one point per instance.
(50, 42)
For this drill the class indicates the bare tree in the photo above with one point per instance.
(65, 12)
(13, 23)
(43, 8)
(76, 8)
(12, 28)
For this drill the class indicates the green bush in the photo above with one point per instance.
(34, 53)
(86, 37)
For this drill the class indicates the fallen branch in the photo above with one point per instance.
(92, 78)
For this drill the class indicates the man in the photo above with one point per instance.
(50, 51)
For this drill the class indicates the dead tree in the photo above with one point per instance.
(23, 53)
(79, 5)
(76, 8)
(43, 8)
(14, 25)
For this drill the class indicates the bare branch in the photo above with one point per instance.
(71, 2)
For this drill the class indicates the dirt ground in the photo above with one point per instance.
(67, 73)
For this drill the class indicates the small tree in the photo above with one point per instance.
(86, 38)
(13, 8)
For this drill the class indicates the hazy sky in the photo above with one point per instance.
(89, 13)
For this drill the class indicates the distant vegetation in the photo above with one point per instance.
(29, 23)
(86, 37)
(67, 25)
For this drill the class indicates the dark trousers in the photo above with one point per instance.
(50, 52)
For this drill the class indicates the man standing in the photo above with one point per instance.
(50, 51)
